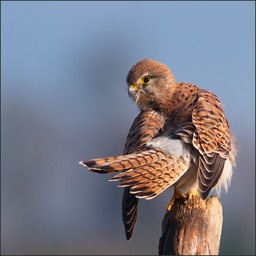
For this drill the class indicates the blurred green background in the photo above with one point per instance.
(64, 99)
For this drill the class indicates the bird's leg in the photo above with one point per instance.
(177, 195)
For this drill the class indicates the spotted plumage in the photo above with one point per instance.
(180, 138)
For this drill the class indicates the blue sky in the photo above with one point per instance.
(64, 99)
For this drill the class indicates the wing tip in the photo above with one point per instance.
(129, 235)
(204, 194)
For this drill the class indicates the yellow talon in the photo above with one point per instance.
(171, 203)
(177, 195)
(193, 193)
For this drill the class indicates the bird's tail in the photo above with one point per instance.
(146, 174)
(123, 162)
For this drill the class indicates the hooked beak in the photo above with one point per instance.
(132, 90)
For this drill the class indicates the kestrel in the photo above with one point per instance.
(180, 138)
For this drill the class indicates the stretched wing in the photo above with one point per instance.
(145, 126)
(212, 139)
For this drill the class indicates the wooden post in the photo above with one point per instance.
(192, 227)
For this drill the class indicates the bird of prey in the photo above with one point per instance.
(180, 138)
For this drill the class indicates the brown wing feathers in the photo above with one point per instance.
(129, 212)
(209, 174)
(211, 138)
(145, 126)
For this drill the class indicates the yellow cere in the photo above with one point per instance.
(133, 87)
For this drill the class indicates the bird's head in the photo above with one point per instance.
(150, 83)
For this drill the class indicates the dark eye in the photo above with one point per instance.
(146, 79)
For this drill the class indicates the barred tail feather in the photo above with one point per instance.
(123, 162)
(150, 180)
